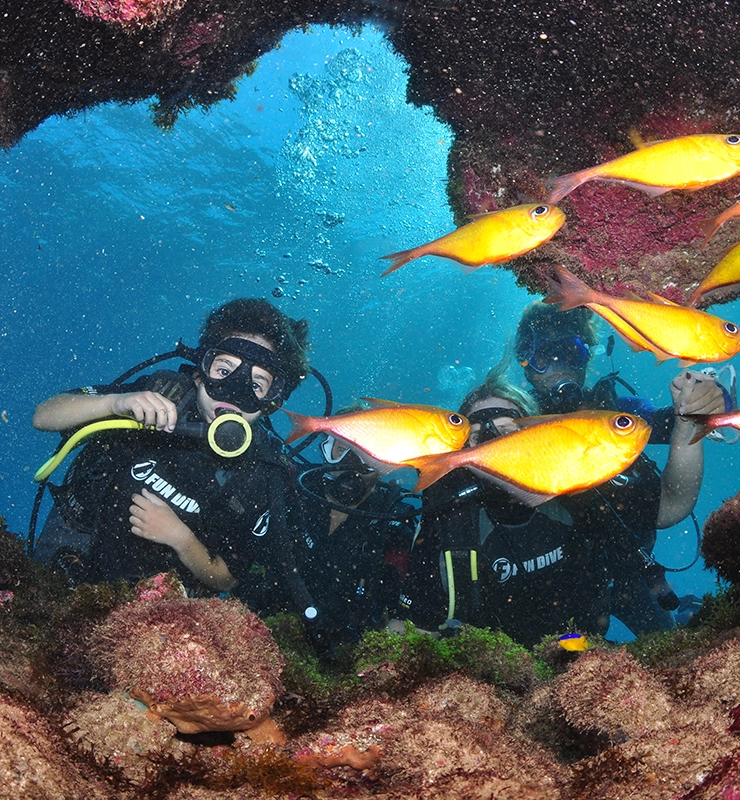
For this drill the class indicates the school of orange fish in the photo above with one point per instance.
(595, 446)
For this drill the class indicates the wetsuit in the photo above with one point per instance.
(503, 565)
(532, 574)
(234, 506)
(354, 571)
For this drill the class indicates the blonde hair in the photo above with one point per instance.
(497, 384)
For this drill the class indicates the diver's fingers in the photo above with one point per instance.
(152, 409)
(707, 403)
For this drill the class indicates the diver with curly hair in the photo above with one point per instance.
(135, 503)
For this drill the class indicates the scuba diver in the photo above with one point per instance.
(554, 349)
(504, 565)
(353, 540)
(151, 496)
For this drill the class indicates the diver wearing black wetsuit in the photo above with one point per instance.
(528, 572)
(233, 505)
(138, 502)
(353, 561)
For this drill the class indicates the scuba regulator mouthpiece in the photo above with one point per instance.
(566, 396)
(229, 435)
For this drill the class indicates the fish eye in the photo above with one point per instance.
(733, 139)
(540, 211)
(456, 420)
(731, 328)
(623, 423)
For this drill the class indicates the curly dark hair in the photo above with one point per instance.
(255, 315)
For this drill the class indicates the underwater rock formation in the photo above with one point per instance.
(531, 89)
(35, 763)
(203, 665)
(719, 546)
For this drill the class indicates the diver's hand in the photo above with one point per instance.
(151, 518)
(696, 393)
(151, 408)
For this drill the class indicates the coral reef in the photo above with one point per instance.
(531, 89)
(204, 665)
(131, 14)
(35, 763)
(719, 540)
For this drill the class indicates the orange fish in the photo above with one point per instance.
(725, 273)
(389, 433)
(491, 238)
(710, 226)
(548, 456)
(658, 325)
(687, 162)
(706, 423)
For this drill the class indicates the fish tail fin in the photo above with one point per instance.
(564, 184)
(568, 290)
(302, 426)
(709, 227)
(400, 258)
(701, 421)
(431, 468)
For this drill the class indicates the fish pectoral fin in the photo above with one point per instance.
(658, 298)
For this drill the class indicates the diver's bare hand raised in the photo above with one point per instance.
(150, 408)
(696, 393)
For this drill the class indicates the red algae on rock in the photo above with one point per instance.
(205, 665)
(129, 14)
(719, 545)
(34, 762)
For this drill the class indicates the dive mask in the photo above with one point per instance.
(571, 351)
(237, 387)
(327, 450)
(487, 417)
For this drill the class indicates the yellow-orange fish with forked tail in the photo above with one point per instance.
(710, 226)
(490, 238)
(725, 273)
(548, 456)
(388, 434)
(660, 326)
(686, 162)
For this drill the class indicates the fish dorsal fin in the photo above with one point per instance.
(482, 214)
(638, 142)
(376, 402)
(529, 422)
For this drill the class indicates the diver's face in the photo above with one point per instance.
(222, 366)
(556, 372)
(557, 360)
(504, 423)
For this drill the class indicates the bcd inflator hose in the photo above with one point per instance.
(229, 435)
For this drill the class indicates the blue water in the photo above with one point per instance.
(118, 238)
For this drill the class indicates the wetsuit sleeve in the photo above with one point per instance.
(661, 420)
(139, 385)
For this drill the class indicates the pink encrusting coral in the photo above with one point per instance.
(131, 14)
(202, 664)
